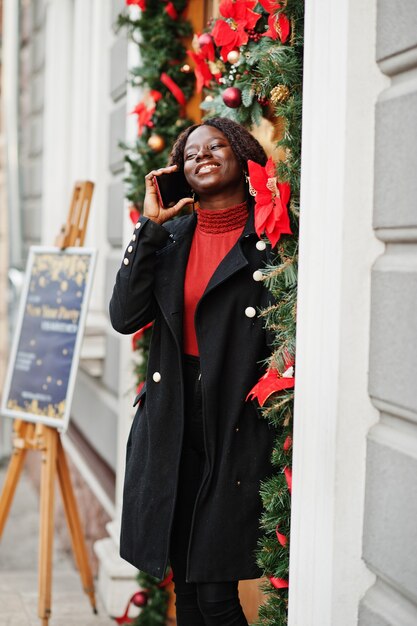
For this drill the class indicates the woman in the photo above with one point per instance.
(197, 449)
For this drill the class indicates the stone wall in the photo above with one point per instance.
(390, 529)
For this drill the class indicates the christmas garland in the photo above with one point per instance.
(159, 30)
(167, 83)
(248, 65)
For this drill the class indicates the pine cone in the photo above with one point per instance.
(279, 94)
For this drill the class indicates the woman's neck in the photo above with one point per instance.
(223, 201)
(223, 220)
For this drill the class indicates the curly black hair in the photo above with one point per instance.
(243, 144)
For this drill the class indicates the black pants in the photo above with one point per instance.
(198, 604)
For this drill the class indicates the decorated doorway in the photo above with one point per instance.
(240, 59)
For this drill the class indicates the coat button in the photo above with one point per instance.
(156, 377)
(237, 429)
(133, 237)
(130, 248)
(137, 225)
(260, 245)
(250, 311)
(126, 261)
(257, 275)
(238, 483)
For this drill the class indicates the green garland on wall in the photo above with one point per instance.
(248, 64)
(158, 30)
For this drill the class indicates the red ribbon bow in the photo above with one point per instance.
(270, 382)
(283, 539)
(278, 583)
(134, 214)
(288, 477)
(125, 619)
(138, 335)
(176, 91)
(140, 3)
(171, 11)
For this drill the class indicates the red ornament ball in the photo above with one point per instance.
(140, 598)
(232, 97)
(204, 40)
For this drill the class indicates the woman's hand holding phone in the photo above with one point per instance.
(152, 207)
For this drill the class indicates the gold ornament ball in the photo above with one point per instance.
(233, 56)
(156, 143)
(279, 94)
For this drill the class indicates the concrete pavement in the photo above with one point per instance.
(18, 571)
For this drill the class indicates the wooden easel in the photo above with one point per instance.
(47, 440)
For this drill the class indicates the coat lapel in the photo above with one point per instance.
(171, 265)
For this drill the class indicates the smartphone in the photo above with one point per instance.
(171, 188)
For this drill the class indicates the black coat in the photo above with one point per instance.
(149, 286)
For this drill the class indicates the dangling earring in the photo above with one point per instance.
(192, 194)
(252, 190)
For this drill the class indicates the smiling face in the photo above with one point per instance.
(212, 168)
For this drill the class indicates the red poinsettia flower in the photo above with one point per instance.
(240, 11)
(270, 6)
(145, 111)
(139, 3)
(278, 27)
(228, 38)
(144, 116)
(271, 212)
(201, 70)
(139, 334)
(270, 383)
(203, 45)
(231, 33)
(203, 56)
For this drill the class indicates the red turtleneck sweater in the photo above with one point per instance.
(216, 233)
